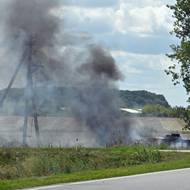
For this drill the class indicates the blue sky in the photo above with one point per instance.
(136, 32)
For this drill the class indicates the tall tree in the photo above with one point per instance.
(180, 70)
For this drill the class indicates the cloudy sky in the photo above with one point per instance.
(137, 34)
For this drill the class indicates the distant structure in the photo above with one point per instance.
(131, 111)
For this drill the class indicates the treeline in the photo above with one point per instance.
(163, 111)
(138, 99)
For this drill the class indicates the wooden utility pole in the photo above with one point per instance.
(30, 98)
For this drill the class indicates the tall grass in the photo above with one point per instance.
(18, 163)
(145, 155)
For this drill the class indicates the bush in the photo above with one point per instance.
(143, 155)
(8, 172)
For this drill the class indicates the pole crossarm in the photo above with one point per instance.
(11, 82)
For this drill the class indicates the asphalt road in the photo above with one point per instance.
(169, 180)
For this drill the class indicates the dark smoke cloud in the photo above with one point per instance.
(33, 19)
(101, 63)
(95, 101)
(88, 72)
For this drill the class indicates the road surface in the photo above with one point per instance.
(169, 180)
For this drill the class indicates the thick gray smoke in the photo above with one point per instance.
(33, 21)
(101, 64)
(88, 71)
(96, 103)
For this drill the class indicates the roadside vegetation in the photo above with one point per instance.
(26, 167)
(23, 162)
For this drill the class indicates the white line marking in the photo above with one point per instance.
(108, 179)
(183, 151)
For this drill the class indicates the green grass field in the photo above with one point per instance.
(26, 167)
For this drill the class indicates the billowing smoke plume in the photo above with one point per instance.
(101, 64)
(33, 22)
(95, 102)
(87, 71)
(32, 19)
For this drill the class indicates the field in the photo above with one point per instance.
(27, 167)
(65, 131)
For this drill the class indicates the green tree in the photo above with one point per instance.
(180, 70)
(157, 110)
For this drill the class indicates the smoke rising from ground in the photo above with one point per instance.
(89, 71)
(96, 103)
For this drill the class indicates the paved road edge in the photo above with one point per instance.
(107, 179)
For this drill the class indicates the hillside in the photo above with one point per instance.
(51, 100)
(138, 99)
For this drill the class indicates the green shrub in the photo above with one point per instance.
(144, 154)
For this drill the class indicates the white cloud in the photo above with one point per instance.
(88, 3)
(92, 20)
(142, 62)
(148, 20)
(144, 3)
(126, 17)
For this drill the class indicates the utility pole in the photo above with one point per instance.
(30, 98)
(29, 95)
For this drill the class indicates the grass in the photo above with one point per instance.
(38, 167)
(20, 163)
